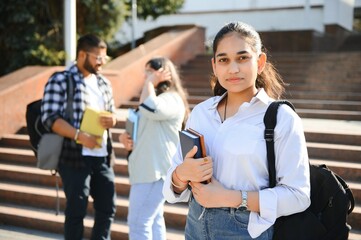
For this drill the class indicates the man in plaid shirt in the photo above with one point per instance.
(85, 166)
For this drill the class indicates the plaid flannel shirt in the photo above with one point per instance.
(54, 104)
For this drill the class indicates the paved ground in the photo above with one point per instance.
(338, 126)
(16, 233)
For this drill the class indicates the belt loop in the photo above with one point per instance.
(232, 210)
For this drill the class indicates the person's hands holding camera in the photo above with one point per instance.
(159, 76)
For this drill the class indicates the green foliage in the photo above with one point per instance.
(23, 32)
(103, 17)
(31, 32)
(155, 8)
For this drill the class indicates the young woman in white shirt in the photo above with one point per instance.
(237, 203)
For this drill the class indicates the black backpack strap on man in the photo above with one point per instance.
(331, 198)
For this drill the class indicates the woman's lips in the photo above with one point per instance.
(234, 79)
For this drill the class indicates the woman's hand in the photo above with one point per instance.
(195, 169)
(126, 140)
(208, 195)
(159, 76)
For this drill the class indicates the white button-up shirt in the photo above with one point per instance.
(238, 150)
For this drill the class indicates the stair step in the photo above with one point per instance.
(343, 153)
(356, 190)
(121, 167)
(330, 114)
(335, 138)
(15, 140)
(26, 157)
(330, 126)
(19, 233)
(198, 91)
(40, 219)
(116, 133)
(329, 95)
(17, 155)
(327, 104)
(33, 175)
(119, 150)
(347, 170)
(45, 197)
(323, 87)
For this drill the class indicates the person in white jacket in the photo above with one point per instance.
(237, 203)
(162, 111)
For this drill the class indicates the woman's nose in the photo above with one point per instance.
(233, 67)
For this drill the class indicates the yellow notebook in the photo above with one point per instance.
(91, 124)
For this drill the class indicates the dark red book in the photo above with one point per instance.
(188, 138)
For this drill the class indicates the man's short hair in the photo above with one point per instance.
(88, 42)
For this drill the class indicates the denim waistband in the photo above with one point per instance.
(227, 209)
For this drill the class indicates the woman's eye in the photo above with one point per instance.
(242, 58)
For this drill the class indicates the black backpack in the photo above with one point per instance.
(34, 125)
(331, 198)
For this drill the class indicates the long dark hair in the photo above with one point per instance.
(269, 79)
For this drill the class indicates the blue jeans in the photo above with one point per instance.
(219, 223)
(95, 179)
(145, 214)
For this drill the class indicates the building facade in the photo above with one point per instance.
(319, 16)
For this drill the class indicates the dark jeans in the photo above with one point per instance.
(97, 180)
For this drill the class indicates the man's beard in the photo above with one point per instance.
(87, 66)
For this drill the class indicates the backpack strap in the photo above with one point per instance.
(69, 95)
(348, 192)
(69, 114)
(270, 120)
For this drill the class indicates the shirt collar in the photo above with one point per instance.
(260, 96)
(216, 101)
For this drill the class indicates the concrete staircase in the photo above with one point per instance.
(323, 87)
(28, 195)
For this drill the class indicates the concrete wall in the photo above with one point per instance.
(17, 89)
(339, 13)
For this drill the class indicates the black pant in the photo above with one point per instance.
(95, 179)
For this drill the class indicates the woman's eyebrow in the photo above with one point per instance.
(221, 55)
(242, 52)
(238, 53)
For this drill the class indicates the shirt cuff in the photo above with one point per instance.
(258, 223)
(173, 197)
